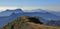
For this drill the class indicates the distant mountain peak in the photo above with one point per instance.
(19, 9)
(36, 10)
(8, 12)
(7, 9)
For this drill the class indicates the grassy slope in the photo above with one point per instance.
(21, 23)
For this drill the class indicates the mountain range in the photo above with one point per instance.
(10, 15)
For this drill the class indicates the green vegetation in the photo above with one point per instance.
(22, 23)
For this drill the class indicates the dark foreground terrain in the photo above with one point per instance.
(26, 22)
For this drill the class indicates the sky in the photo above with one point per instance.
(30, 4)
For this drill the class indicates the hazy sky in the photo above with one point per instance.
(30, 4)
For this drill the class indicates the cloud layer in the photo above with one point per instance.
(5, 8)
(30, 8)
(44, 8)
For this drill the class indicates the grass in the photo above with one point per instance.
(39, 26)
(20, 23)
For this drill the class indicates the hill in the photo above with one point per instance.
(10, 15)
(26, 22)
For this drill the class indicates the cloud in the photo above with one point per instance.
(5, 8)
(44, 8)
(30, 8)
